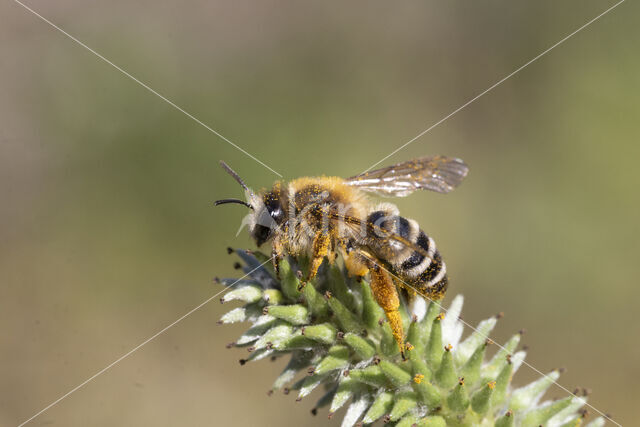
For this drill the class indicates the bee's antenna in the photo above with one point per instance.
(237, 201)
(234, 175)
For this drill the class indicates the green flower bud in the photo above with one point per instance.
(395, 373)
(248, 294)
(324, 333)
(371, 375)
(471, 369)
(346, 388)
(540, 415)
(273, 296)
(481, 399)
(236, 315)
(403, 404)
(476, 340)
(435, 348)
(524, 397)
(346, 320)
(458, 399)
(380, 407)
(294, 314)
(363, 348)
(506, 420)
(446, 375)
(315, 301)
(338, 358)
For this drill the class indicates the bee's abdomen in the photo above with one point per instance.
(433, 281)
(427, 274)
(416, 258)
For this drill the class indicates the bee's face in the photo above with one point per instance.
(268, 214)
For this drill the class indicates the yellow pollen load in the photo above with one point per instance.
(440, 316)
(409, 346)
(491, 384)
(448, 347)
(418, 378)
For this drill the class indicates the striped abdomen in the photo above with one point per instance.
(425, 274)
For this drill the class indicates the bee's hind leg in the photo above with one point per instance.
(386, 294)
(320, 249)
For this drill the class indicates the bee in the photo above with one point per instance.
(326, 216)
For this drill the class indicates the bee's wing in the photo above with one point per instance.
(435, 173)
(358, 225)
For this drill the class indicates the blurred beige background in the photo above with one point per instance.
(107, 232)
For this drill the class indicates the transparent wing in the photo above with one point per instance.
(435, 173)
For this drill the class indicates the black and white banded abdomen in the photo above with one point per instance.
(424, 271)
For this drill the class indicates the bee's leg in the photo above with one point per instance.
(401, 286)
(277, 254)
(354, 265)
(320, 248)
(336, 246)
(344, 249)
(386, 295)
(407, 291)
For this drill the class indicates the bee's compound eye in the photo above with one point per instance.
(277, 214)
(274, 208)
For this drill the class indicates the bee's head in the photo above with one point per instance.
(267, 215)
(266, 210)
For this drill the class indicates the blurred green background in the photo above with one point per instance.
(108, 234)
